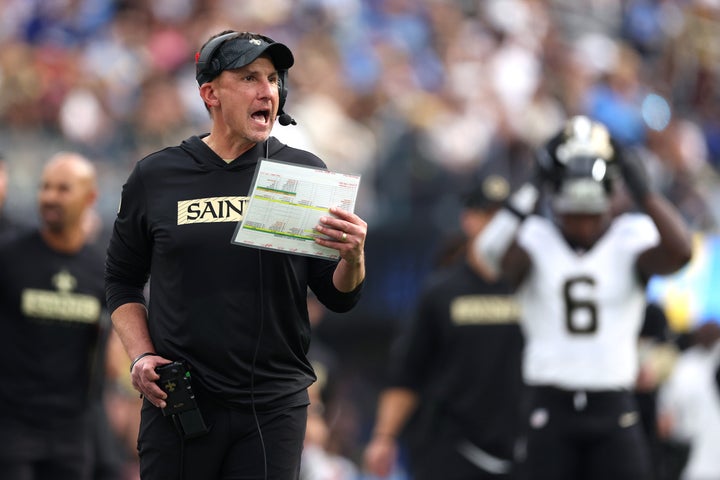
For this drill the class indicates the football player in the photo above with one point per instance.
(580, 275)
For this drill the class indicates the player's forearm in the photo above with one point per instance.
(674, 236)
(675, 239)
(494, 242)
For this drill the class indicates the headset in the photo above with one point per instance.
(208, 67)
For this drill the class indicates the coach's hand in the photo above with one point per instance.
(144, 376)
(345, 232)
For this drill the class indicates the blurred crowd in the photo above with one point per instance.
(415, 95)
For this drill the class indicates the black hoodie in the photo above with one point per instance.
(211, 302)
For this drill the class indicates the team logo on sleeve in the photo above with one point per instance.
(211, 210)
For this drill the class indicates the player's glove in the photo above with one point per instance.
(633, 172)
(547, 170)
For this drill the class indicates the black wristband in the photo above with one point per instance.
(142, 355)
(514, 211)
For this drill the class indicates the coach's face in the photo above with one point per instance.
(245, 100)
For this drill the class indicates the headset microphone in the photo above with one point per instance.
(286, 120)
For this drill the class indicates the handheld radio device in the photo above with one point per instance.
(180, 403)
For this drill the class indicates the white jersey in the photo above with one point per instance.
(582, 312)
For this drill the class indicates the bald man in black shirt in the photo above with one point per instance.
(51, 310)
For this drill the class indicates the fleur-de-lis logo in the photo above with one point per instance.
(496, 188)
(170, 386)
(63, 281)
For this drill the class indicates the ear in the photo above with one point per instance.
(207, 93)
(93, 196)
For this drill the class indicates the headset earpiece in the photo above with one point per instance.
(282, 89)
(206, 64)
(283, 117)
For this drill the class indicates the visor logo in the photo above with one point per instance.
(255, 41)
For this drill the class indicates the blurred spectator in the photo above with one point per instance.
(102, 76)
(615, 100)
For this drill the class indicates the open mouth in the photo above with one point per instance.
(261, 116)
